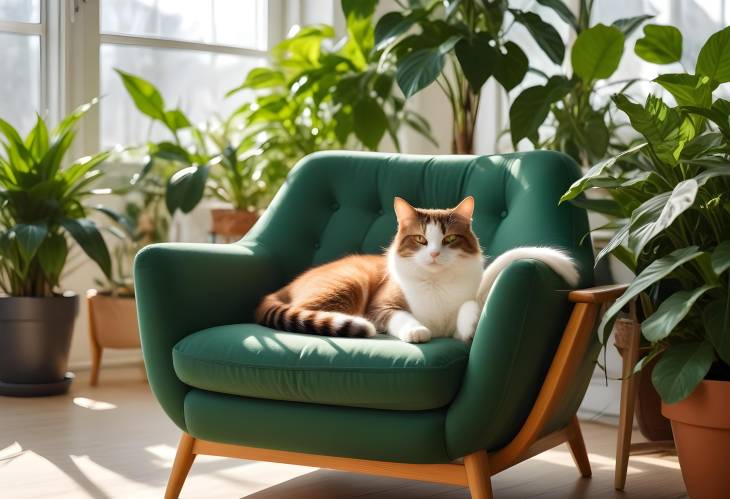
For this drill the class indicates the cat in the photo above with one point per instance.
(429, 283)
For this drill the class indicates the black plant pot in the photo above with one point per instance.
(35, 337)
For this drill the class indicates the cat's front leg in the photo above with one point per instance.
(466, 320)
(405, 327)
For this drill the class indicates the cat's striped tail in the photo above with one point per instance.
(276, 314)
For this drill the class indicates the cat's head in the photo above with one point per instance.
(435, 240)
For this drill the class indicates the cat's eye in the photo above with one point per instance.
(420, 239)
(451, 238)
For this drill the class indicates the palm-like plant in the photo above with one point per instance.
(41, 204)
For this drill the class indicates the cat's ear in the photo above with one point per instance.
(403, 210)
(465, 209)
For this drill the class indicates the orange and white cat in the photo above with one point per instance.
(430, 283)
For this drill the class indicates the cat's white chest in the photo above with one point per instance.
(435, 302)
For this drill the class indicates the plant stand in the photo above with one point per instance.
(629, 386)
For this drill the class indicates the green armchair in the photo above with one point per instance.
(440, 411)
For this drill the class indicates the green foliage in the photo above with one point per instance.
(310, 98)
(460, 45)
(674, 226)
(41, 207)
(580, 119)
(660, 44)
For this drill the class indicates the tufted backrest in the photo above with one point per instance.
(338, 203)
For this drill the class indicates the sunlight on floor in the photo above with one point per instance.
(94, 405)
(563, 458)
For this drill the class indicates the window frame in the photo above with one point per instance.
(70, 46)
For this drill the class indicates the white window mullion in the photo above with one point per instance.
(166, 43)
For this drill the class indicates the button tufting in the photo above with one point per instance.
(335, 206)
(316, 245)
(503, 214)
(381, 212)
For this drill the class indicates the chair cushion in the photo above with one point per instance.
(380, 373)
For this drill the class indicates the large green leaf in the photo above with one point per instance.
(628, 25)
(616, 241)
(670, 313)
(721, 257)
(546, 36)
(175, 120)
(88, 237)
(599, 170)
(660, 44)
(597, 52)
(716, 319)
(658, 213)
(37, 140)
(653, 273)
(52, 257)
(421, 68)
(185, 188)
(370, 122)
(666, 129)
(511, 66)
(30, 237)
(394, 24)
(687, 89)
(145, 96)
(714, 58)
(605, 206)
(681, 368)
(531, 107)
(477, 59)
(563, 11)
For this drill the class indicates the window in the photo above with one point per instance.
(58, 54)
(21, 39)
(194, 51)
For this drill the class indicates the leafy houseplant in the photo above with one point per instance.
(576, 107)
(460, 44)
(311, 98)
(41, 210)
(676, 236)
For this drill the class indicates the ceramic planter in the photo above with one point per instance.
(701, 426)
(231, 224)
(35, 338)
(112, 324)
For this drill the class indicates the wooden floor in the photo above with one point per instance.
(115, 441)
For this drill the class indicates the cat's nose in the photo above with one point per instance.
(434, 254)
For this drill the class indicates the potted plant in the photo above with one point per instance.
(315, 95)
(112, 308)
(41, 211)
(677, 236)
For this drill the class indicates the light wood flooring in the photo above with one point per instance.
(115, 441)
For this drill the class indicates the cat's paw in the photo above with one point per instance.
(415, 334)
(466, 321)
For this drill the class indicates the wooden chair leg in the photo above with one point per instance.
(629, 385)
(578, 449)
(96, 352)
(478, 476)
(180, 468)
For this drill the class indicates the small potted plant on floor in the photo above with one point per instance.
(41, 212)
(112, 308)
(678, 238)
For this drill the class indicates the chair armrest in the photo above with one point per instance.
(598, 294)
(183, 288)
(517, 335)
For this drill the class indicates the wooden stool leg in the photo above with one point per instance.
(578, 449)
(96, 352)
(180, 468)
(629, 384)
(478, 476)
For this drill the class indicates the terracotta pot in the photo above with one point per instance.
(230, 224)
(652, 425)
(112, 324)
(701, 426)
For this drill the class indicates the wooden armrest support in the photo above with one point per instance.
(598, 294)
